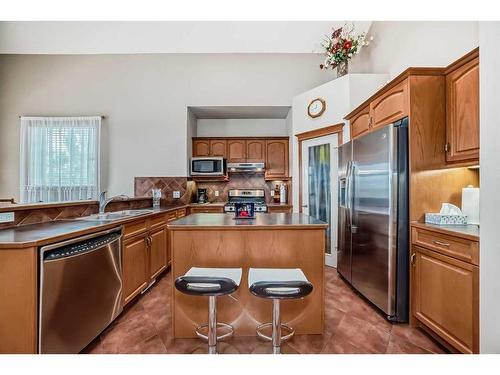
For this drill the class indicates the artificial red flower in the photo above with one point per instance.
(347, 44)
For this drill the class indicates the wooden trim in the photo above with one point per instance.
(400, 78)
(312, 134)
(316, 133)
(238, 138)
(462, 61)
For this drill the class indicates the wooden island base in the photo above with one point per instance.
(270, 241)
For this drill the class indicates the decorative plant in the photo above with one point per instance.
(341, 46)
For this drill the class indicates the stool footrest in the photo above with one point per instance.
(286, 327)
(221, 337)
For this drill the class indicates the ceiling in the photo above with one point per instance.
(124, 37)
(240, 112)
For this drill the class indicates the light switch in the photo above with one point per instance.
(216, 193)
(6, 217)
(176, 194)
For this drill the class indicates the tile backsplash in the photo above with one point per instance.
(167, 185)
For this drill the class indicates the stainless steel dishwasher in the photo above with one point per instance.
(80, 290)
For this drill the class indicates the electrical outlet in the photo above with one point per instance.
(216, 193)
(176, 194)
(6, 217)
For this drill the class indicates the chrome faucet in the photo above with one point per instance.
(103, 202)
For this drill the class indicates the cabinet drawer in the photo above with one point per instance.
(171, 216)
(279, 209)
(158, 221)
(453, 246)
(181, 212)
(135, 228)
(206, 210)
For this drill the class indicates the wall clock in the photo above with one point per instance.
(316, 107)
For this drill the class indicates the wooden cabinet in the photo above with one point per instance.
(236, 151)
(462, 112)
(446, 298)
(145, 252)
(201, 148)
(256, 150)
(158, 252)
(390, 106)
(360, 123)
(135, 266)
(218, 148)
(277, 158)
(279, 209)
(206, 210)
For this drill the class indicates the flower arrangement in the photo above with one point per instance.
(341, 46)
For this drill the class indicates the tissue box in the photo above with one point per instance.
(445, 219)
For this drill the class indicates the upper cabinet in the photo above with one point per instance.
(276, 158)
(360, 123)
(218, 147)
(272, 151)
(390, 106)
(462, 110)
(256, 150)
(236, 150)
(201, 148)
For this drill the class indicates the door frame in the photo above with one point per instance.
(336, 129)
(316, 133)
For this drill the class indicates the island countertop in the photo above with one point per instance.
(261, 221)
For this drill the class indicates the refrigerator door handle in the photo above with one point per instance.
(348, 196)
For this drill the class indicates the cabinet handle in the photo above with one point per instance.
(447, 147)
(412, 259)
(441, 243)
(148, 241)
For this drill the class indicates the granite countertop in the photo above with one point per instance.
(227, 221)
(470, 232)
(52, 231)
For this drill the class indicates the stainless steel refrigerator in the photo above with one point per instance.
(373, 228)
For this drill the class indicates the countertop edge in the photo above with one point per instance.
(447, 231)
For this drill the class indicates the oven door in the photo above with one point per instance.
(207, 167)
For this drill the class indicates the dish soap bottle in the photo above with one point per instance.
(283, 193)
(276, 197)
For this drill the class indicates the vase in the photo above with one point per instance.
(342, 68)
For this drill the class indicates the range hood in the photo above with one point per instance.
(245, 167)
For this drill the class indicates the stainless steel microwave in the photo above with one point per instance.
(208, 166)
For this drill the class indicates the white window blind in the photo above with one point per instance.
(59, 158)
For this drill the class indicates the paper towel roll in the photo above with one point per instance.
(470, 204)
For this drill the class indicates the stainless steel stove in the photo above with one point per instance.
(255, 196)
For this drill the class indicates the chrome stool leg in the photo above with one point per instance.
(212, 325)
(276, 327)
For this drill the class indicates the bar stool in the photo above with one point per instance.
(278, 284)
(211, 282)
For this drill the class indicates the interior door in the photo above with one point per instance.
(319, 187)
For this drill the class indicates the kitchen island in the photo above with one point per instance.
(269, 241)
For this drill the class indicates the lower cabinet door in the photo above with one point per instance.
(446, 298)
(135, 266)
(158, 252)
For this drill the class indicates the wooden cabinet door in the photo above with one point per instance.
(218, 148)
(236, 151)
(462, 113)
(360, 124)
(446, 298)
(135, 266)
(157, 251)
(276, 158)
(390, 106)
(256, 150)
(201, 148)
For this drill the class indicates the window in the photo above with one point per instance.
(59, 158)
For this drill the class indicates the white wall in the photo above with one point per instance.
(70, 37)
(241, 127)
(489, 263)
(399, 45)
(341, 95)
(145, 99)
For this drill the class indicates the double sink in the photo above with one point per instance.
(118, 215)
